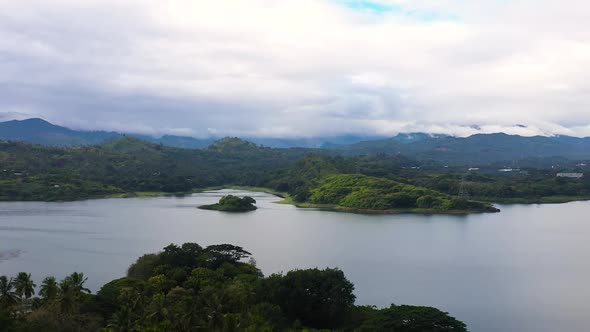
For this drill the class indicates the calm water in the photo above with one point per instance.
(524, 269)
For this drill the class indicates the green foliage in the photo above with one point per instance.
(406, 318)
(534, 187)
(191, 288)
(370, 193)
(24, 285)
(231, 203)
(318, 298)
(126, 165)
(32, 172)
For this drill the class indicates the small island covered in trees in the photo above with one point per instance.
(231, 203)
(214, 288)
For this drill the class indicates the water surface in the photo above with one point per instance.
(524, 269)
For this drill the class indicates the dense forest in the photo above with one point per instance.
(216, 288)
(128, 166)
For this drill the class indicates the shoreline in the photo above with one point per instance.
(287, 199)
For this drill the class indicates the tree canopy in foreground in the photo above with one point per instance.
(214, 288)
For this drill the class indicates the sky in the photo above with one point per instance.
(298, 68)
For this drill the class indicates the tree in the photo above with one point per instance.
(49, 288)
(220, 253)
(8, 295)
(67, 299)
(24, 285)
(405, 318)
(318, 298)
(77, 281)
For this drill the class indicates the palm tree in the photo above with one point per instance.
(8, 296)
(122, 321)
(49, 288)
(67, 299)
(77, 281)
(157, 312)
(24, 285)
(70, 291)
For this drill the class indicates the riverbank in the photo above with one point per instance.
(534, 200)
(337, 208)
(287, 199)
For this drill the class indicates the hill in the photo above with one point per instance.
(127, 164)
(363, 193)
(39, 131)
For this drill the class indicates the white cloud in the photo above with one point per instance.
(299, 67)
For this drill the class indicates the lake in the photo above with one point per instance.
(524, 269)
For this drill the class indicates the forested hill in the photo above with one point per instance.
(475, 150)
(126, 164)
(129, 166)
(482, 149)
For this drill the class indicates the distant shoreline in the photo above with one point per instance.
(287, 199)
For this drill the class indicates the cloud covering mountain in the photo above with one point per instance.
(291, 68)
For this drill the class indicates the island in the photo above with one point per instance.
(231, 203)
(365, 194)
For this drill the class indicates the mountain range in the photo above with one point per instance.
(39, 131)
(477, 149)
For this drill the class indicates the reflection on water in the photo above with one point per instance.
(9, 254)
(524, 269)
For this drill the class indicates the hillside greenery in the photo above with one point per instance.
(125, 166)
(231, 203)
(34, 172)
(214, 288)
(363, 192)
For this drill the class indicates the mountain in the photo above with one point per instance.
(478, 149)
(42, 132)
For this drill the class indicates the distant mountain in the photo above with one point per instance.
(415, 137)
(40, 131)
(477, 149)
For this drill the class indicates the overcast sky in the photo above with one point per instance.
(298, 68)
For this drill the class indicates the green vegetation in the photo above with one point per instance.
(538, 186)
(365, 193)
(231, 203)
(129, 167)
(217, 288)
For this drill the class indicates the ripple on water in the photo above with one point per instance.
(10, 254)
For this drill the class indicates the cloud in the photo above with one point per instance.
(298, 67)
